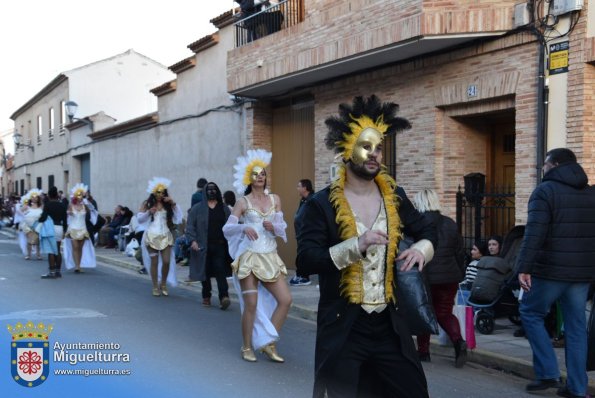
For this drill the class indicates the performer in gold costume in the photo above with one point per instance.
(161, 213)
(259, 272)
(78, 248)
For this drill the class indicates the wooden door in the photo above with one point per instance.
(293, 159)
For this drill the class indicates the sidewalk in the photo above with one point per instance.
(500, 350)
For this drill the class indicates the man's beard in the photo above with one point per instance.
(361, 171)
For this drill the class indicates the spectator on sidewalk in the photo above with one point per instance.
(495, 245)
(305, 190)
(197, 196)
(209, 253)
(229, 198)
(555, 262)
(443, 273)
(106, 232)
(478, 250)
(63, 198)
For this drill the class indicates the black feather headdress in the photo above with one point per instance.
(343, 130)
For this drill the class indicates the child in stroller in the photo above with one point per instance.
(494, 292)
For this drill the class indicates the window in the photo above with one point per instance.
(39, 182)
(22, 187)
(62, 117)
(52, 123)
(50, 181)
(389, 154)
(16, 187)
(39, 128)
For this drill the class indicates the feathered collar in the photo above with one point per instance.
(352, 277)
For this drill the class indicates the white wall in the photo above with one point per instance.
(119, 86)
(183, 150)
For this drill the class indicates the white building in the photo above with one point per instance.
(54, 151)
(197, 131)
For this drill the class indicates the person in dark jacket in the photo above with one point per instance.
(349, 237)
(197, 196)
(56, 210)
(555, 262)
(208, 247)
(305, 190)
(443, 273)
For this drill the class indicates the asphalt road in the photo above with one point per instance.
(176, 347)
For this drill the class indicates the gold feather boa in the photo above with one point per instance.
(352, 277)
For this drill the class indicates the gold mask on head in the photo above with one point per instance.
(366, 144)
(255, 173)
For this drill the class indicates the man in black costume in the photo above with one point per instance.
(349, 237)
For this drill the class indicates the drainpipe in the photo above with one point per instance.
(542, 108)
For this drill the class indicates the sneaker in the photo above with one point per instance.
(225, 302)
(206, 302)
(540, 385)
(299, 281)
(49, 275)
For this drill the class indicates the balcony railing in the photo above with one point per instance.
(270, 20)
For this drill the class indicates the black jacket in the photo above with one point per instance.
(318, 232)
(559, 241)
(448, 264)
(57, 211)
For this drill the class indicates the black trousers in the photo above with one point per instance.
(217, 266)
(371, 364)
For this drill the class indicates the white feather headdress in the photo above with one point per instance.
(158, 184)
(244, 166)
(34, 192)
(79, 189)
(25, 199)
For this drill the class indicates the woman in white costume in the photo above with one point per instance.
(161, 213)
(18, 219)
(31, 213)
(265, 298)
(78, 248)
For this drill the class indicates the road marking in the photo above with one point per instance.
(53, 313)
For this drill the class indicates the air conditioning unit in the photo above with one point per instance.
(561, 7)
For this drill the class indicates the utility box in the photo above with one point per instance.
(521, 15)
(561, 7)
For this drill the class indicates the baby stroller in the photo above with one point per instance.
(494, 292)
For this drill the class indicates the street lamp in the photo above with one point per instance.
(18, 141)
(71, 108)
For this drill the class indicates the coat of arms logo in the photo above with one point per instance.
(30, 359)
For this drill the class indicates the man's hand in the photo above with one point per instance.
(194, 246)
(411, 257)
(525, 281)
(371, 238)
(251, 233)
